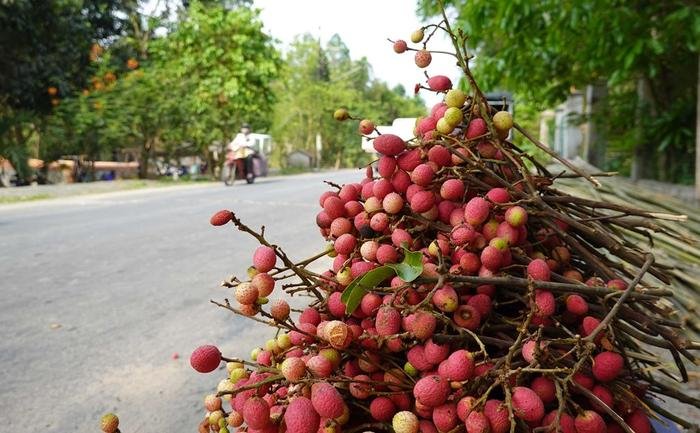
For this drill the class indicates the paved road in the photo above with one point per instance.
(128, 276)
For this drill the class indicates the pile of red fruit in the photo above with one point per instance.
(465, 294)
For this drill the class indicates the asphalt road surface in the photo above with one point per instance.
(100, 292)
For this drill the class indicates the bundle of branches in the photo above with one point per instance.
(466, 293)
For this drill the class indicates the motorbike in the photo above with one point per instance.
(235, 169)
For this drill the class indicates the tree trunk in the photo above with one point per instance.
(642, 165)
(596, 144)
(143, 161)
(697, 138)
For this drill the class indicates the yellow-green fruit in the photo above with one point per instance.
(433, 249)
(344, 277)
(254, 353)
(262, 301)
(225, 385)
(453, 116)
(252, 272)
(215, 416)
(223, 430)
(283, 341)
(455, 98)
(222, 423)
(272, 346)
(410, 369)
(503, 121)
(230, 366)
(109, 423)
(405, 422)
(444, 127)
(331, 354)
(417, 36)
(331, 251)
(341, 114)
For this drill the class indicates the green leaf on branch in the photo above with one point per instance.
(352, 296)
(408, 270)
(410, 267)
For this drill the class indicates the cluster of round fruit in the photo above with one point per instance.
(504, 327)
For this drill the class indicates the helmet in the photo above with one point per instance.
(245, 125)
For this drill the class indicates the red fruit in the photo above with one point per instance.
(221, 217)
(205, 359)
(566, 422)
(457, 367)
(439, 83)
(545, 303)
(470, 263)
(389, 144)
(638, 421)
(516, 216)
(340, 226)
(491, 258)
(326, 400)
(381, 188)
(409, 159)
(416, 357)
(527, 405)
(345, 244)
(256, 413)
(445, 417)
(422, 175)
(323, 220)
(481, 303)
(436, 353)
(388, 321)
(604, 395)
(264, 258)
(477, 422)
(382, 409)
(445, 299)
(301, 417)
(467, 317)
(279, 310)
(293, 369)
(482, 369)
(400, 181)
(607, 366)
(379, 222)
(425, 125)
(452, 189)
(399, 237)
(544, 388)
(584, 380)
(386, 166)
(400, 46)
(361, 389)
(370, 304)
(617, 284)
(335, 305)
(310, 315)
(423, 58)
(366, 126)
(246, 294)
(497, 414)
(538, 270)
(528, 350)
(588, 324)
(477, 127)
(440, 155)
(476, 211)
(431, 390)
(575, 304)
(498, 195)
(319, 366)
(464, 406)
(509, 233)
(422, 201)
(589, 422)
(438, 110)
(423, 325)
(334, 207)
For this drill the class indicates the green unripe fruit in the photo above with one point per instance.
(238, 374)
(223, 430)
(417, 36)
(230, 366)
(215, 416)
(254, 353)
(271, 345)
(252, 272)
(444, 127)
(262, 301)
(410, 369)
(455, 98)
(341, 114)
(283, 341)
(453, 116)
(331, 354)
(222, 424)
(502, 121)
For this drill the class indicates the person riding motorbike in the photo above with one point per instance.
(241, 148)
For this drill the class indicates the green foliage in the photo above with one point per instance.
(408, 270)
(541, 50)
(317, 80)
